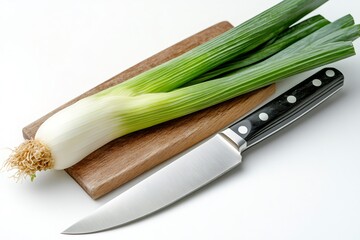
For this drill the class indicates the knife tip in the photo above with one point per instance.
(80, 228)
(70, 231)
(76, 230)
(66, 232)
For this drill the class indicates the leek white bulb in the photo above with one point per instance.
(69, 135)
(80, 129)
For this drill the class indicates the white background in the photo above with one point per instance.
(304, 183)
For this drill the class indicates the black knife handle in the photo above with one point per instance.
(289, 106)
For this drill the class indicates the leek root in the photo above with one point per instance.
(29, 157)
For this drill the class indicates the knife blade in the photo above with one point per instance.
(212, 158)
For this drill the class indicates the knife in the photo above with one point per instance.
(212, 158)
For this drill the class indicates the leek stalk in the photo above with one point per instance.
(157, 108)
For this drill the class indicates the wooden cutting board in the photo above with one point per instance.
(127, 157)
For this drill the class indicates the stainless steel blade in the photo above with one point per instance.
(190, 172)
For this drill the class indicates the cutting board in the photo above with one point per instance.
(129, 156)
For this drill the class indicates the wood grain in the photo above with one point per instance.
(127, 157)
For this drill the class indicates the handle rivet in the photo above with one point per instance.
(330, 73)
(291, 99)
(243, 130)
(263, 116)
(316, 82)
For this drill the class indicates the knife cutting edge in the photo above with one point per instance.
(212, 158)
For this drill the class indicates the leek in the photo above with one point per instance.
(156, 96)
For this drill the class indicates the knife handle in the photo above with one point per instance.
(285, 108)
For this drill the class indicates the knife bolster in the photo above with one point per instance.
(235, 139)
